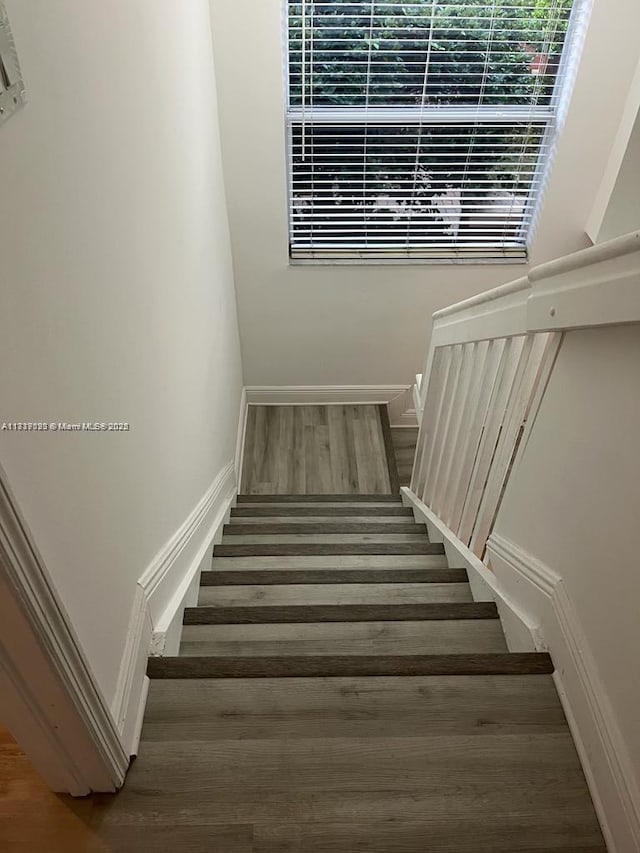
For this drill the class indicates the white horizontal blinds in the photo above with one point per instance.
(418, 129)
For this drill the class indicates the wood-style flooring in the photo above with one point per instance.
(316, 450)
(337, 690)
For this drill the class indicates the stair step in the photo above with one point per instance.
(320, 517)
(319, 507)
(340, 613)
(462, 764)
(383, 512)
(339, 498)
(264, 577)
(383, 538)
(330, 527)
(349, 562)
(340, 638)
(302, 549)
(330, 666)
(384, 707)
(337, 594)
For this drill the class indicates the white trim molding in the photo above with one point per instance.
(544, 597)
(537, 614)
(520, 633)
(616, 159)
(242, 429)
(49, 697)
(162, 593)
(398, 397)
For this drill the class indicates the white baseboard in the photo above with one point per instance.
(407, 419)
(161, 595)
(242, 428)
(417, 402)
(398, 397)
(458, 555)
(607, 765)
(537, 614)
(127, 706)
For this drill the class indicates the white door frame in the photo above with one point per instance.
(49, 698)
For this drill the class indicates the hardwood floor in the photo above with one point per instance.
(315, 450)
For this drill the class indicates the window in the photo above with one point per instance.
(423, 129)
(11, 89)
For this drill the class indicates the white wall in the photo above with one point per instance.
(573, 502)
(116, 294)
(623, 211)
(369, 324)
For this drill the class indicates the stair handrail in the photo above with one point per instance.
(599, 285)
(489, 361)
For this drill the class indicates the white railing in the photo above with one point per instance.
(489, 361)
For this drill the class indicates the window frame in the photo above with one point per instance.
(551, 115)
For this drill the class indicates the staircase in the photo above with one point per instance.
(338, 689)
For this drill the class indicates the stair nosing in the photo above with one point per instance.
(296, 613)
(321, 498)
(311, 549)
(319, 527)
(301, 510)
(265, 577)
(327, 666)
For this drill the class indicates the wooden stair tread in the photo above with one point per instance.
(335, 576)
(383, 512)
(344, 527)
(327, 666)
(318, 516)
(319, 548)
(320, 498)
(343, 562)
(339, 613)
(345, 593)
(395, 707)
(320, 538)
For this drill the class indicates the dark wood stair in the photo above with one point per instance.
(338, 688)
(305, 607)
(322, 666)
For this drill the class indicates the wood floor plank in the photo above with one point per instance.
(482, 763)
(302, 549)
(204, 838)
(320, 449)
(299, 466)
(330, 666)
(486, 775)
(338, 638)
(309, 594)
(391, 707)
(441, 836)
(369, 562)
(158, 792)
(389, 452)
(339, 613)
(344, 472)
(324, 576)
(328, 527)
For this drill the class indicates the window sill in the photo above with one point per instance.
(413, 262)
